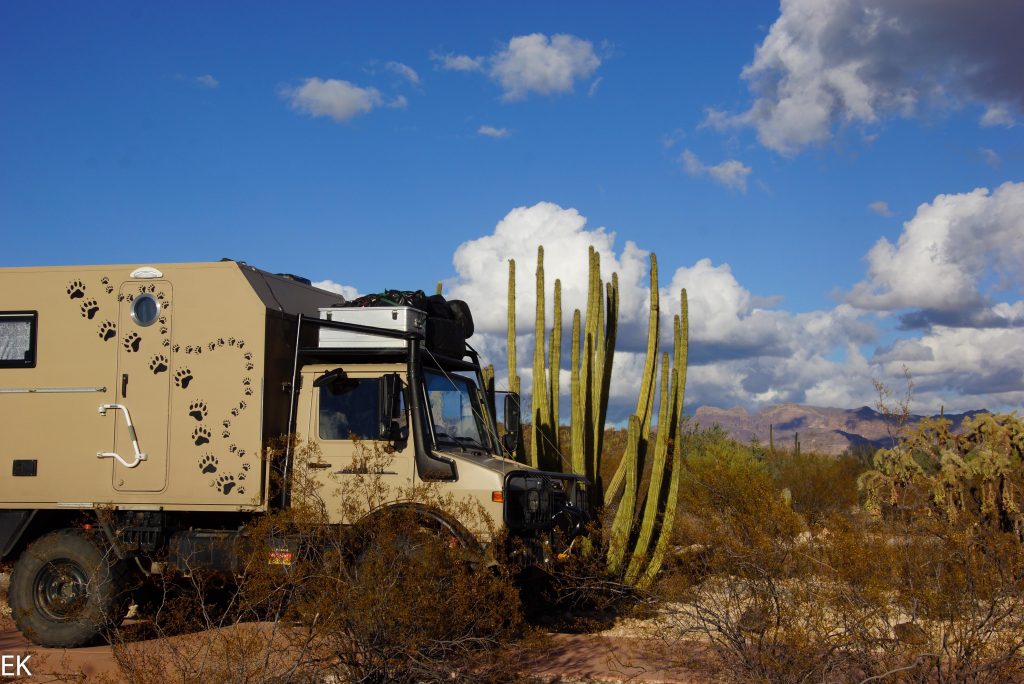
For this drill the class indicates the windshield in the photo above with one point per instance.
(455, 409)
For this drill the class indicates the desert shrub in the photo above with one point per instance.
(819, 485)
(388, 599)
(917, 597)
(729, 506)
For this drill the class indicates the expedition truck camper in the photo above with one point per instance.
(137, 403)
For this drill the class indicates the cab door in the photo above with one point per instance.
(142, 386)
(362, 453)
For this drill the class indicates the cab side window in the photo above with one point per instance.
(18, 339)
(349, 409)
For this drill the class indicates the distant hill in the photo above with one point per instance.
(821, 429)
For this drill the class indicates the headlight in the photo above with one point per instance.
(533, 500)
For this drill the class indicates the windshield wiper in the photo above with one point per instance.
(471, 441)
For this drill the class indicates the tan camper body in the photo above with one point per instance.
(137, 403)
(190, 359)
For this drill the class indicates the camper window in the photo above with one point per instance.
(18, 339)
(145, 309)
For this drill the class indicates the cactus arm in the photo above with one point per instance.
(622, 523)
(579, 461)
(665, 534)
(654, 497)
(538, 394)
(555, 368)
(513, 377)
(646, 398)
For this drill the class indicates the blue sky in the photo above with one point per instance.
(761, 151)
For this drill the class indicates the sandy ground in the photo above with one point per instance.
(571, 658)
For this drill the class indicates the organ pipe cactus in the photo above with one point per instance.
(658, 506)
(643, 519)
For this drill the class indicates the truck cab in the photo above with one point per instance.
(420, 418)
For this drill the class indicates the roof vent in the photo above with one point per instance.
(146, 272)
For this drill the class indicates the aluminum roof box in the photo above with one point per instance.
(403, 318)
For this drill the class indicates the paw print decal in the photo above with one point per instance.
(89, 308)
(225, 483)
(107, 330)
(198, 410)
(201, 436)
(208, 464)
(226, 434)
(107, 287)
(158, 364)
(182, 377)
(76, 289)
(132, 342)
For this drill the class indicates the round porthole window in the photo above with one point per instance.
(145, 309)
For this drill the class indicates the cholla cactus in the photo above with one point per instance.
(978, 473)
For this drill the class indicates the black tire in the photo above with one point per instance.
(66, 590)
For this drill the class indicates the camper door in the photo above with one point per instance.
(142, 386)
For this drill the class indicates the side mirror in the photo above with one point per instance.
(512, 422)
(390, 386)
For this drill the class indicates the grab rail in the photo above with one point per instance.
(139, 456)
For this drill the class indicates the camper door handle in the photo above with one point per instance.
(124, 385)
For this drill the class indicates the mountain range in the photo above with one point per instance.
(819, 429)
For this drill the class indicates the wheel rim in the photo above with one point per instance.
(60, 590)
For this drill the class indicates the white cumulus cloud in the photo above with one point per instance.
(346, 291)
(534, 63)
(829, 63)
(731, 173)
(881, 208)
(403, 70)
(946, 251)
(208, 81)
(998, 115)
(492, 132)
(339, 100)
(744, 348)
(537, 63)
(453, 62)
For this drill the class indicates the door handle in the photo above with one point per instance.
(124, 385)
